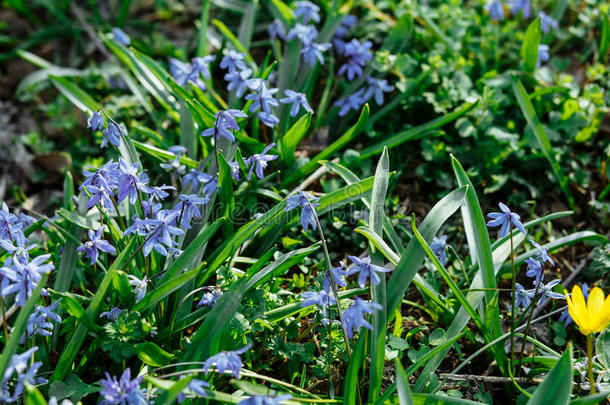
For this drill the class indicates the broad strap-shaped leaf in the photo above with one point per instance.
(529, 46)
(557, 385)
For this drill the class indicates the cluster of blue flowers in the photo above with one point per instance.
(495, 8)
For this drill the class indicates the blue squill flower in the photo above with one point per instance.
(139, 286)
(365, 270)
(543, 54)
(159, 193)
(263, 99)
(96, 244)
(112, 134)
(111, 315)
(306, 34)
(195, 177)
(108, 176)
(201, 66)
(322, 298)
(23, 276)
(297, 100)
(339, 274)
(226, 361)
(210, 187)
(268, 119)
(238, 81)
(352, 102)
(547, 22)
(225, 122)
(235, 169)
(25, 370)
(345, 25)
(196, 387)
(517, 5)
(376, 88)
(276, 30)
(181, 72)
(523, 297)
(354, 317)
(100, 195)
(131, 182)
(534, 269)
(313, 52)
(123, 391)
(95, 121)
(233, 60)
(209, 298)
(495, 10)
(39, 321)
(307, 11)
(504, 219)
(357, 55)
(188, 208)
(120, 36)
(265, 400)
(542, 253)
(546, 291)
(439, 247)
(260, 160)
(307, 202)
(159, 232)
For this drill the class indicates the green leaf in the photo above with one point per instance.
(73, 388)
(557, 385)
(246, 27)
(293, 137)
(402, 385)
(163, 155)
(602, 348)
(543, 141)
(152, 354)
(351, 379)
(75, 94)
(171, 394)
(529, 46)
(594, 399)
(225, 194)
(284, 262)
(604, 41)
(34, 397)
(281, 10)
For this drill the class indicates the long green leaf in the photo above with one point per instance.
(604, 41)
(529, 46)
(557, 385)
(402, 385)
(293, 137)
(351, 380)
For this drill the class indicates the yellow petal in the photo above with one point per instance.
(595, 302)
(605, 314)
(580, 307)
(571, 309)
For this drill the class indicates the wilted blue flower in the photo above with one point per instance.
(307, 202)
(120, 36)
(226, 361)
(307, 11)
(95, 121)
(357, 55)
(365, 270)
(534, 269)
(260, 161)
(313, 52)
(23, 276)
(139, 286)
(546, 291)
(353, 318)
(195, 177)
(188, 208)
(111, 315)
(112, 134)
(504, 219)
(265, 400)
(276, 30)
(131, 182)
(495, 10)
(376, 88)
(124, 391)
(233, 60)
(39, 320)
(26, 373)
(159, 231)
(543, 54)
(542, 253)
(225, 122)
(95, 244)
(238, 81)
(517, 5)
(523, 297)
(209, 298)
(547, 22)
(306, 34)
(439, 247)
(352, 102)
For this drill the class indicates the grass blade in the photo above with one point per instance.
(557, 385)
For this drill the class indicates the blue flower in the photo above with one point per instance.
(139, 287)
(542, 253)
(276, 30)
(26, 372)
(307, 11)
(439, 247)
(233, 61)
(39, 320)
(534, 269)
(95, 244)
(322, 298)
(263, 98)
(495, 10)
(260, 161)
(313, 51)
(131, 182)
(11, 227)
(188, 208)
(307, 202)
(376, 88)
(352, 102)
(547, 22)
(195, 177)
(546, 291)
(357, 55)
(265, 400)
(268, 119)
(112, 134)
(159, 231)
(158, 193)
(120, 36)
(102, 195)
(201, 66)
(238, 81)
(184, 73)
(124, 391)
(209, 298)
(108, 176)
(353, 318)
(23, 276)
(520, 5)
(225, 122)
(111, 315)
(195, 386)
(95, 121)
(211, 186)
(306, 34)
(235, 169)
(365, 270)
(345, 25)
(523, 297)
(226, 361)
(504, 220)
(338, 274)
(543, 54)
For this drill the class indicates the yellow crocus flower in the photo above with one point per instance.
(591, 316)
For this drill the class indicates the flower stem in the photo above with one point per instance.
(529, 318)
(512, 300)
(590, 363)
(331, 388)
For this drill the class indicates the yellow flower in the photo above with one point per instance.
(592, 316)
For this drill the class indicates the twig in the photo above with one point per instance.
(80, 16)
(314, 176)
(488, 379)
